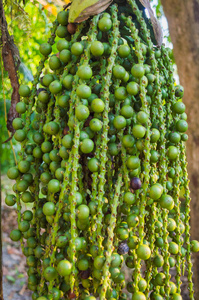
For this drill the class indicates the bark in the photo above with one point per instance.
(10, 55)
(183, 19)
(11, 61)
(1, 269)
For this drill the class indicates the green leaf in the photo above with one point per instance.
(11, 278)
(82, 10)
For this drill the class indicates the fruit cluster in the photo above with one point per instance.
(103, 162)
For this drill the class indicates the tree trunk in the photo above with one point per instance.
(1, 270)
(183, 19)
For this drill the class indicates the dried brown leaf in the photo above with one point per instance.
(5, 271)
(14, 251)
(11, 295)
(155, 23)
(92, 10)
(22, 290)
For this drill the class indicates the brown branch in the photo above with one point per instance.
(11, 61)
(1, 269)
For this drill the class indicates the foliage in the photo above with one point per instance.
(29, 26)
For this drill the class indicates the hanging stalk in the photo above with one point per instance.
(103, 156)
(187, 225)
(110, 231)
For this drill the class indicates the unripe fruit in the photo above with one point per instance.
(82, 112)
(97, 48)
(143, 252)
(49, 209)
(77, 49)
(54, 186)
(155, 192)
(102, 160)
(62, 17)
(55, 87)
(21, 107)
(45, 49)
(64, 268)
(105, 24)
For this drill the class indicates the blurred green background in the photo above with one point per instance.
(30, 25)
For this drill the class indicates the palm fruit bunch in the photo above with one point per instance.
(102, 160)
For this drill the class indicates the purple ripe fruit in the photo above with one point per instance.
(135, 183)
(123, 248)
